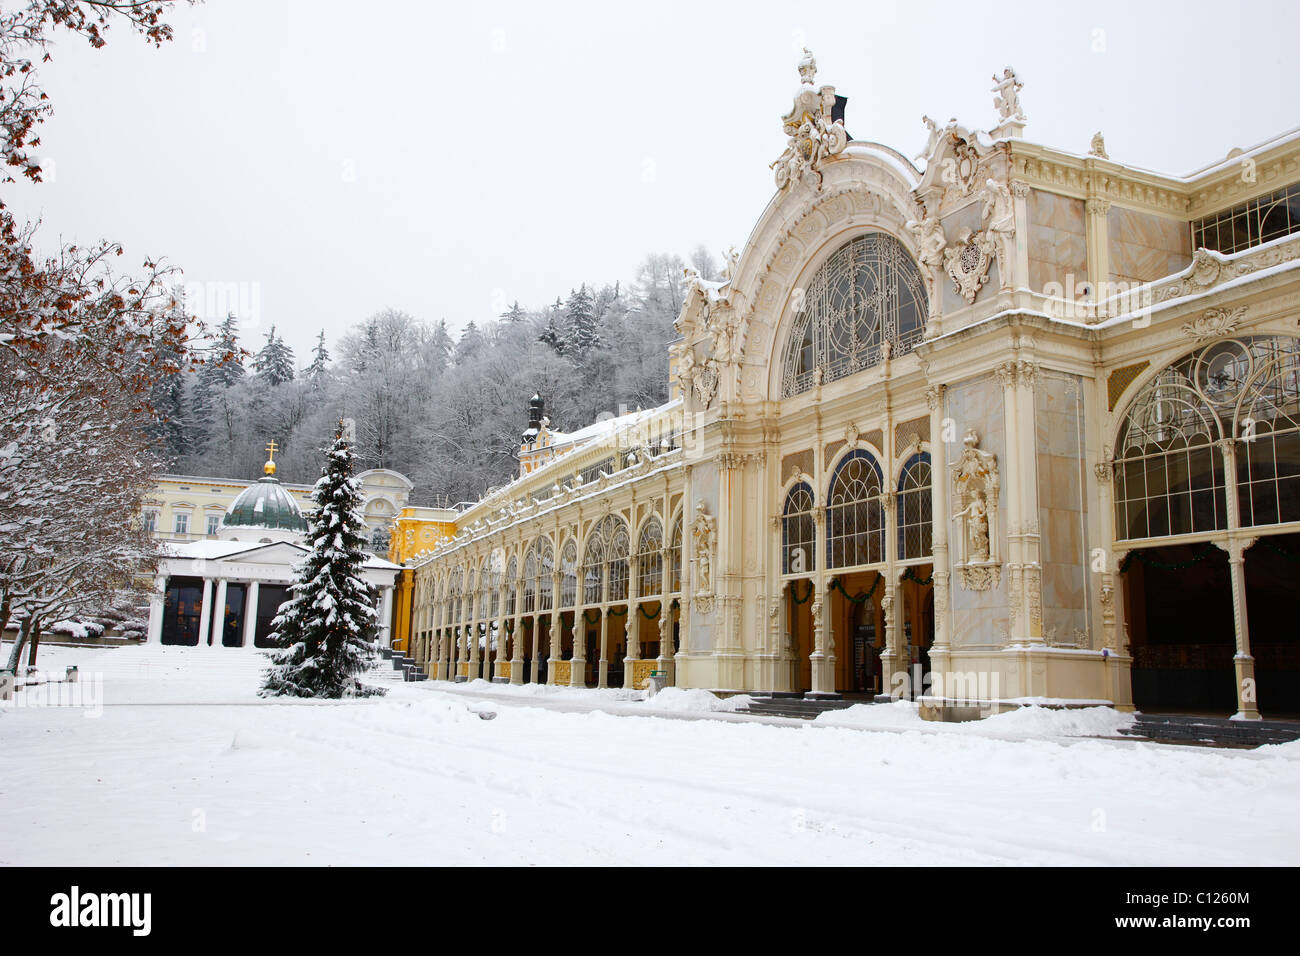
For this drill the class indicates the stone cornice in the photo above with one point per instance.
(1094, 178)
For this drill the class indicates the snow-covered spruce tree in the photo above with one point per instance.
(323, 632)
(274, 363)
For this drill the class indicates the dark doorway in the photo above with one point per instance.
(269, 599)
(232, 619)
(182, 611)
(866, 662)
(1179, 608)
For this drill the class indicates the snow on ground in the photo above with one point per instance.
(186, 765)
(1024, 723)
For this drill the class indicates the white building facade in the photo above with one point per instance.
(1012, 424)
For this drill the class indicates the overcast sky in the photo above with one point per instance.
(447, 159)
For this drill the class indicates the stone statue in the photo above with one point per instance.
(977, 528)
(730, 261)
(1007, 96)
(704, 533)
(686, 370)
(976, 482)
(1000, 213)
(930, 242)
(1098, 146)
(807, 67)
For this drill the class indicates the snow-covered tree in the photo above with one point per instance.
(469, 345)
(580, 316)
(324, 631)
(274, 363)
(320, 360)
(552, 334)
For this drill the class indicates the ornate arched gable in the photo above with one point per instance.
(733, 331)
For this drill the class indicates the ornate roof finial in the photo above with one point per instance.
(807, 67)
(271, 449)
(1098, 147)
(814, 127)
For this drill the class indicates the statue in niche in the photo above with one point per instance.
(704, 532)
(976, 482)
(977, 528)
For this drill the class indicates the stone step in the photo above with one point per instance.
(802, 708)
(1213, 730)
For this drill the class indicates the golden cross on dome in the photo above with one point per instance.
(271, 449)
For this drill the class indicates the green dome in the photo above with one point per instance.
(265, 504)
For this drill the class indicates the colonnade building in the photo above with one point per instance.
(1006, 423)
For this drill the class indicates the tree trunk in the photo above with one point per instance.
(16, 654)
(6, 607)
(33, 646)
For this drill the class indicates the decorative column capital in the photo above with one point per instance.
(1235, 547)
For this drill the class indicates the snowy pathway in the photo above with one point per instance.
(418, 778)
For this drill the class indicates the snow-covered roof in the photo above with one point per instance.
(216, 550)
(602, 428)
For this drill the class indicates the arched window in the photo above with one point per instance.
(619, 548)
(798, 536)
(604, 561)
(675, 555)
(1169, 474)
(453, 591)
(915, 527)
(593, 568)
(650, 558)
(569, 572)
(868, 293)
(532, 571)
(1268, 431)
(487, 594)
(855, 513)
(545, 574)
(512, 573)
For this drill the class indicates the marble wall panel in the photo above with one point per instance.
(1144, 247)
(1057, 243)
(1062, 506)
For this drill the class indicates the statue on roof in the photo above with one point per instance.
(1006, 98)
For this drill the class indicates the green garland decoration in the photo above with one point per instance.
(837, 585)
(649, 617)
(1205, 551)
(675, 605)
(591, 620)
(794, 592)
(911, 575)
(622, 613)
(1280, 551)
(510, 625)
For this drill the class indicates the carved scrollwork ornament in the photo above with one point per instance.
(1213, 323)
(968, 263)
